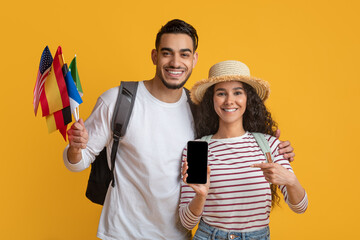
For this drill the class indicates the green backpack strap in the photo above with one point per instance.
(264, 145)
(206, 138)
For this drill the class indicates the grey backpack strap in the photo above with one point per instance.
(264, 145)
(124, 103)
(123, 108)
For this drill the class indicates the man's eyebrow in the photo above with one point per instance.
(186, 50)
(166, 49)
(172, 50)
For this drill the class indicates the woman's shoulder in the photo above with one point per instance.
(273, 141)
(204, 138)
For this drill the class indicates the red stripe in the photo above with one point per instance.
(237, 204)
(241, 197)
(44, 104)
(60, 78)
(255, 147)
(230, 144)
(37, 84)
(240, 216)
(63, 131)
(246, 190)
(237, 179)
(232, 169)
(238, 210)
(36, 93)
(59, 119)
(39, 87)
(42, 81)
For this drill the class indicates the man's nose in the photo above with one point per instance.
(175, 61)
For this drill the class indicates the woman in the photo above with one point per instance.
(235, 202)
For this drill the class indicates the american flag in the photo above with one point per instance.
(44, 69)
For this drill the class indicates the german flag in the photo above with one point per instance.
(59, 120)
(55, 96)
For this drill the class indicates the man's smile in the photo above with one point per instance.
(174, 72)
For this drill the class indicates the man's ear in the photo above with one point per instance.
(154, 56)
(196, 56)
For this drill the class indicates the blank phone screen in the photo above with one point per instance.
(197, 158)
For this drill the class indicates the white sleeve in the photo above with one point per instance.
(98, 126)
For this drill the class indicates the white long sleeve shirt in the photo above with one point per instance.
(144, 202)
(239, 197)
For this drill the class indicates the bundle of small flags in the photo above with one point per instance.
(59, 91)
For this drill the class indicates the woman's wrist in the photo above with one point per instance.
(201, 196)
(292, 180)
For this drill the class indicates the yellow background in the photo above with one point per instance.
(308, 51)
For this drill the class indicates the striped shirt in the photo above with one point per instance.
(239, 197)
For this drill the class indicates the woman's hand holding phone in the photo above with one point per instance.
(196, 205)
(200, 189)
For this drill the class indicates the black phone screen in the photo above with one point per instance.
(197, 158)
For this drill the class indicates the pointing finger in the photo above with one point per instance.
(261, 165)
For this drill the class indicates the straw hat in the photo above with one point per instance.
(229, 71)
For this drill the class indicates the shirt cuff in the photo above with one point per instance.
(76, 167)
(301, 206)
(189, 220)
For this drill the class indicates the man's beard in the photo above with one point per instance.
(174, 87)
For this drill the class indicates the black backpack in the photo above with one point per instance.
(100, 174)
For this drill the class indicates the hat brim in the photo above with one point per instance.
(261, 87)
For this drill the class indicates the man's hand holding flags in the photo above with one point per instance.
(58, 91)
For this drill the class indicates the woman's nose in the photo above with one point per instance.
(229, 99)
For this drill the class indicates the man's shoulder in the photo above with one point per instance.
(110, 95)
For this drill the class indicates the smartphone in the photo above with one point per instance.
(197, 158)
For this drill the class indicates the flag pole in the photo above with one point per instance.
(65, 70)
(77, 109)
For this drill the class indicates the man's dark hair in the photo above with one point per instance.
(178, 26)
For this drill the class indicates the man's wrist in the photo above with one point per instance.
(74, 150)
(74, 155)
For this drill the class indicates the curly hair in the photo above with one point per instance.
(256, 119)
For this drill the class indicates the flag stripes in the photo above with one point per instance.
(57, 91)
(75, 76)
(55, 96)
(44, 68)
(58, 119)
(42, 81)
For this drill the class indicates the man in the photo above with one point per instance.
(144, 202)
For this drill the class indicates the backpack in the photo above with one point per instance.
(261, 141)
(101, 175)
